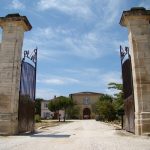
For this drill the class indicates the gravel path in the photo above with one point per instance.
(78, 135)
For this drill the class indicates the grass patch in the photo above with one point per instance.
(49, 123)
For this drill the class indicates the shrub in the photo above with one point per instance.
(105, 109)
(37, 118)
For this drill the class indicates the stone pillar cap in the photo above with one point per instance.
(134, 12)
(18, 18)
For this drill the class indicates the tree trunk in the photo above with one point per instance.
(58, 116)
(65, 115)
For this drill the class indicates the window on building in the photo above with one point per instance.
(46, 105)
(86, 101)
(47, 114)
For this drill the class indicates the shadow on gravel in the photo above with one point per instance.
(41, 135)
(51, 135)
(118, 129)
(121, 132)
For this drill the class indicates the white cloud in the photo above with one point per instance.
(56, 80)
(88, 79)
(70, 7)
(90, 45)
(95, 76)
(104, 11)
(110, 91)
(85, 45)
(53, 81)
(16, 4)
(108, 13)
(112, 76)
(52, 32)
(111, 10)
(84, 72)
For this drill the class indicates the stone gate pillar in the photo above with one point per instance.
(137, 20)
(13, 26)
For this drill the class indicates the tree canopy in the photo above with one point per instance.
(108, 107)
(105, 109)
(38, 106)
(118, 97)
(59, 103)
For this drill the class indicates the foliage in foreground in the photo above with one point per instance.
(73, 112)
(38, 106)
(108, 107)
(117, 98)
(37, 118)
(105, 109)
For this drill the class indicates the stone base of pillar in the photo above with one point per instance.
(8, 124)
(142, 123)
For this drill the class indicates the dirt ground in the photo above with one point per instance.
(76, 135)
(49, 123)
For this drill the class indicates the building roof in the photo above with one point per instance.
(87, 93)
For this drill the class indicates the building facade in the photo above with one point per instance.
(85, 100)
(47, 114)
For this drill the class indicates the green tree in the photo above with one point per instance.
(59, 103)
(117, 86)
(54, 106)
(73, 112)
(38, 106)
(104, 108)
(65, 103)
(118, 97)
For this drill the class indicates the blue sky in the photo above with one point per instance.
(78, 42)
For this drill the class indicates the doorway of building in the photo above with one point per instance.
(86, 113)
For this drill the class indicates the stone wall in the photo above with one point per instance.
(9, 75)
(0, 38)
(13, 27)
(137, 20)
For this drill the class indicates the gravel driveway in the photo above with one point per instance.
(78, 135)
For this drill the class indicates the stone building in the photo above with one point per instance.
(85, 100)
(45, 112)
